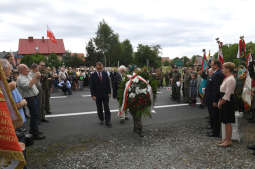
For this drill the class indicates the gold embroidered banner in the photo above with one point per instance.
(5, 91)
(10, 149)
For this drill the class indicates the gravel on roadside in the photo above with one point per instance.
(168, 146)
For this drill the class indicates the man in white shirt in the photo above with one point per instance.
(27, 87)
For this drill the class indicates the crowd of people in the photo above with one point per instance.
(219, 88)
(216, 87)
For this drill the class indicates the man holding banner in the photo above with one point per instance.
(11, 155)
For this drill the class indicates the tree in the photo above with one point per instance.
(107, 42)
(77, 61)
(149, 54)
(115, 52)
(73, 61)
(193, 59)
(186, 61)
(30, 59)
(166, 63)
(93, 56)
(126, 56)
(53, 61)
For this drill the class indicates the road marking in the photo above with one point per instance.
(171, 105)
(58, 97)
(113, 111)
(86, 95)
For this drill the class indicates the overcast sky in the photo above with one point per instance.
(181, 27)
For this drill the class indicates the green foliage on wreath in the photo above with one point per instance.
(145, 111)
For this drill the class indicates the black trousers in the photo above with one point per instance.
(100, 102)
(215, 116)
(210, 111)
(138, 126)
(33, 106)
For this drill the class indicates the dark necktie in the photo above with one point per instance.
(100, 76)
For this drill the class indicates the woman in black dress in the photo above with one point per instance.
(227, 110)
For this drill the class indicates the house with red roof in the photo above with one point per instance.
(42, 46)
(164, 59)
(79, 55)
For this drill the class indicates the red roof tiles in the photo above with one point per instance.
(45, 46)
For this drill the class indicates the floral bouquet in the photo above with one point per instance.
(137, 96)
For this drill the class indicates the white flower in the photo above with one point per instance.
(137, 90)
(142, 91)
(129, 89)
(132, 95)
(136, 80)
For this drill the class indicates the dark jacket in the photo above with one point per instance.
(216, 80)
(251, 70)
(100, 88)
(209, 91)
(116, 80)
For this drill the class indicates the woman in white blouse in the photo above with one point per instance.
(227, 111)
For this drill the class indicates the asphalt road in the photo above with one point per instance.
(75, 115)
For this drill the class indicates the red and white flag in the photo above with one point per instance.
(249, 59)
(220, 53)
(247, 89)
(51, 35)
(241, 48)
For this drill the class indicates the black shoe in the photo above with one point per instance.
(49, 112)
(40, 133)
(36, 133)
(251, 118)
(45, 121)
(109, 125)
(140, 133)
(126, 118)
(39, 137)
(251, 147)
(122, 121)
(251, 121)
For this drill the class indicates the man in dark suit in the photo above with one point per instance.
(216, 80)
(100, 92)
(208, 96)
(252, 75)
